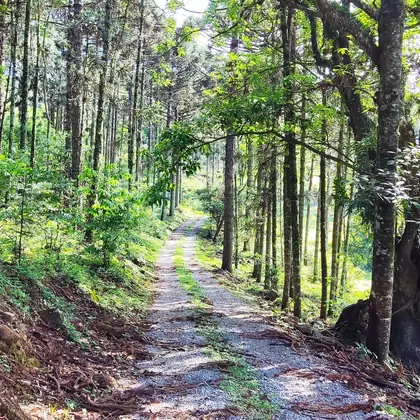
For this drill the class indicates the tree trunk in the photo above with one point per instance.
(308, 214)
(249, 193)
(36, 89)
(230, 164)
(390, 30)
(317, 238)
(13, 54)
(140, 128)
(164, 211)
(100, 114)
(24, 87)
(76, 88)
(288, 36)
(259, 228)
(339, 190)
(236, 223)
(287, 234)
(302, 171)
(323, 234)
(2, 100)
(273, 182)
(269, 232)
(134, 117)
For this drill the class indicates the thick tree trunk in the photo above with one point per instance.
(134, 117)
(3, 115)
(390, 30)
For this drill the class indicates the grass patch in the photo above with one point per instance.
(240, 382)
(186, 278)
(124, 288)
(393, 411)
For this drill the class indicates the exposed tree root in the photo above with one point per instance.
(270, 334)
(334, 409)
(11, 411)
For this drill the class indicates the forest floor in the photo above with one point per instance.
(204, 352)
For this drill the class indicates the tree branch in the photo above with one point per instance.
(344, 23)
(367, 8)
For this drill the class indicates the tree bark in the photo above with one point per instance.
(24, 87)
(338, 220)
(268, 239)
(249, 193)
(273, 182)
(287, 234)
(302, 170)
(230, 165)
(76, 88)
(390, 30)
(2, 39)
(323, 235)
(36, 89)
(288, 36)
(259, 228)
(13, 54)
(140, 129)
(308, 214)
(100, 114)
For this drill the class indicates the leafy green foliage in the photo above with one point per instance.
(212, 202)
(116, 212)
(178, 148)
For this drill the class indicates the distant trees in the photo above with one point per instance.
(85, 86)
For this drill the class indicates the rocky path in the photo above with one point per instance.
(206, 370)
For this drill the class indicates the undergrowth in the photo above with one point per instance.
(208, 254)
(123, 288)
(240, 382)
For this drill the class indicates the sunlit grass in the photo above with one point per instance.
(358, 280)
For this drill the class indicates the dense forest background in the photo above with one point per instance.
(292, 125)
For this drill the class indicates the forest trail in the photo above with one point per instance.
(198, 383)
